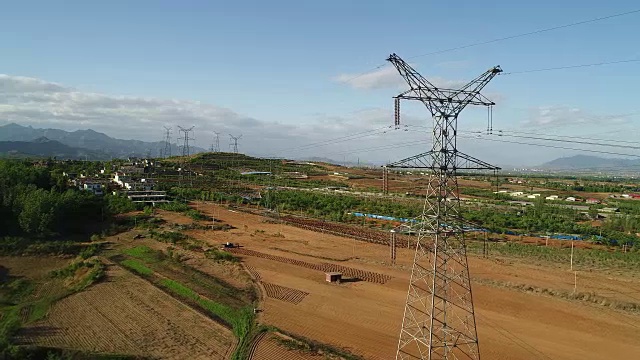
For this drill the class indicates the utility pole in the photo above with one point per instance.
(234, 143)
(167, 142)
(571, 261)
(439, 317)
(385, 180)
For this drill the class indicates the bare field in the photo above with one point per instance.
(32, 267)
(127, 315)
(269, 349)
(365, 317)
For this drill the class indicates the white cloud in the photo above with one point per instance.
(35, 102)
(560, 115)
(385, 77)
(388, 77)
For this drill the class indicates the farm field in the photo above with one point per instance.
(126, 315)
(364, 317)
(268, 348)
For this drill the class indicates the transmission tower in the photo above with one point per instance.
(187, 137)
(167, 141)
(439, 319)
(216, 146)
(234, 142)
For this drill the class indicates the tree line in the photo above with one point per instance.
(36, 202)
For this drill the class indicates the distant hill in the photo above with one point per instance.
(335, 162)
(88, 139)
(43, 147)
(590, 162)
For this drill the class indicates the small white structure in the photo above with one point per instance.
(570, 198)
(552, 197)
(517, 193)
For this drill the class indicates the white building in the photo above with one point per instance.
(570, 198)
(517, 193)
(552, 197)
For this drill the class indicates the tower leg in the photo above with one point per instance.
(439, 317)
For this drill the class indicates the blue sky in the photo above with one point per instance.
(271, 70)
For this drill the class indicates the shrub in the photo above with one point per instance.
(221, 256)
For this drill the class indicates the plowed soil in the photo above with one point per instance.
(127, 315)
(365, 317)
(269, 349)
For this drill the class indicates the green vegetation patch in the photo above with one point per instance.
(241, 320)
(221, 256)
(137, 267)
(145, 253)
(19, 306)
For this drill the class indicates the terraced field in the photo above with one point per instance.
(363, 275)
(127, 315)
(284, 293)
(268, 348)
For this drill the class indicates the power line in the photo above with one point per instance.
(572, 66)
(528, 33)
(552, 146)
(337, 140)
(565, 141)
(565, 136)
(535, 32)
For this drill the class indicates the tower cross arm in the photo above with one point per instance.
(417, 83)
(470, 93)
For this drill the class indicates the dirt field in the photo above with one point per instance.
(31, 266)
(127, 315)
(269, 349)
(364, 317)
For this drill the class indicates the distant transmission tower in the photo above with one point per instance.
(234, 142)
(216, 146)
(185, 143)
(439, 318)
(167, 141)
(185, 154)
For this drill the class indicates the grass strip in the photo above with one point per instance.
(137, 266)
(144, 253)
(240, 320)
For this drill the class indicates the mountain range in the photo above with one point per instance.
(586, 162)
(93, 144)
(17, 140)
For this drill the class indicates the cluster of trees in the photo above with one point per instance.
(335, 206)
(545, 219)
(589, 187)
(36, 202)
(538, 219)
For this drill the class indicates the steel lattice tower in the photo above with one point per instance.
(167, 142)
(186, 151)
(234, 143)
(439, 319)
(216, 148)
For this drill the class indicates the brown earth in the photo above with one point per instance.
(126, 315)
(268, 348)
(365, 317)
(31, 266)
